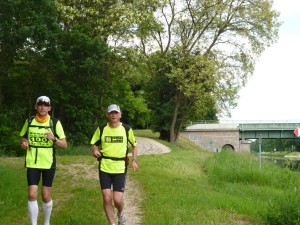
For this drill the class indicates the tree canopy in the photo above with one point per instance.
(206, 50)
(164, 62)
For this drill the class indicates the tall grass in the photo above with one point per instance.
(186, 186)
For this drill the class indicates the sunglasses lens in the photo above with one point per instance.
(45, 103)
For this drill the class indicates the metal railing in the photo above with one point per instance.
(245, 124)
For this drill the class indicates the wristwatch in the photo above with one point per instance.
(55, 139)
(134, 160)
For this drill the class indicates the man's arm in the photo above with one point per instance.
(95, 151)
(134, 158)
(24, 143)
(61, 143)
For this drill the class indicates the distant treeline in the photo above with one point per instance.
(269, 145)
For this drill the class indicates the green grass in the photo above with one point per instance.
(186, 186)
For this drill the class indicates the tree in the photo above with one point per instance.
(24, 26)
(203, 51)
(61, 49)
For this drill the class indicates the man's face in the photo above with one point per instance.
(114, 116)
(42, 108)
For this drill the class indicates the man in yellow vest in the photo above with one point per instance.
(39, 137)
(113, 138)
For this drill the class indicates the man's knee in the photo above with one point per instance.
(106, 195)
(118, 198)
(32, 192)
(46, 194)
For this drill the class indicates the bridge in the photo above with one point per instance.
(237, 135)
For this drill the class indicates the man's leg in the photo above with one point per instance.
(33, 208)
(107, 205)
(119, 204)
(118, 188)
(118, 201)
(33, 178)
(48, 176)
(47, 204)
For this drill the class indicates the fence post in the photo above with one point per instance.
(260, 142)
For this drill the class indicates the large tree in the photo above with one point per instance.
(24, 26)
(199, 54)
(62, 49)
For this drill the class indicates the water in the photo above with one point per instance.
(291, 163)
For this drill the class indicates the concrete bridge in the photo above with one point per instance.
(237, 135)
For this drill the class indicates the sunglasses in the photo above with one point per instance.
(44, 103)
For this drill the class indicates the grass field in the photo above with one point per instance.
(186, 186)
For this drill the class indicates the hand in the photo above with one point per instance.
(135, 165)
(24, 144)
(50, 136)
(96, 153)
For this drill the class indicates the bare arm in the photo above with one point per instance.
(134, 158)
(24, 143)
(95, 151)
(61, 143)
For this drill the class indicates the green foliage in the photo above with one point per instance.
(26, 26)
(271, 145)
(233, 167)
(9, 131)
(204, 51)
(81, 54)
(80, 73)
(285, 209)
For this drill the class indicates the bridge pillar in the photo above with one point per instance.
(216, 139)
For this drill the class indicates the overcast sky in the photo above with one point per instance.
(273, 92)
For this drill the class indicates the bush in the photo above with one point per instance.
(9, 131)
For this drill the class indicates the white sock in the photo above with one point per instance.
(33, 211)
(47, 208)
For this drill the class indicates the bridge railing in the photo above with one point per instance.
(211, 125)
(245, 124)
(268, 126)
(242, 121)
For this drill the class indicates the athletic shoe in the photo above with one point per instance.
(122, 219)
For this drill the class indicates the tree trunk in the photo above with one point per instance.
(173, 133)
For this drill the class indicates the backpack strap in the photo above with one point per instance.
(127, 128)
(29, 121)
(101, 128)
(53, 122)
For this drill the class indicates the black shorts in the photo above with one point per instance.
(34, 176)
(117, 181)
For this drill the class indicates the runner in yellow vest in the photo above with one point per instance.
(39, 141)
(112, 165)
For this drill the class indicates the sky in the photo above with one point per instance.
(273, 91)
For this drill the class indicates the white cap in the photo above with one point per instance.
(112, 108)
(43, 99)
